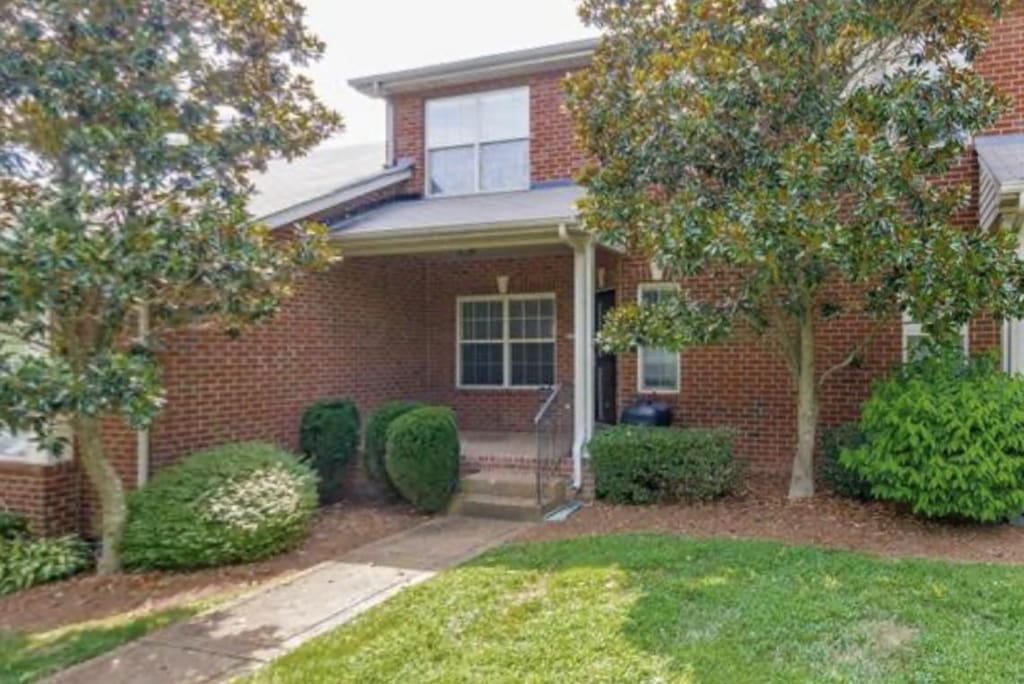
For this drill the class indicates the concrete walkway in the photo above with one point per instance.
(232, 640)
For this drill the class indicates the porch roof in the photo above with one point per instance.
(324, 178)
(1001, 158)
(530, 216)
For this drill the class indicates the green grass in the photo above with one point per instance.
(30, 656)
(665, 609)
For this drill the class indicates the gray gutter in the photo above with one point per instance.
(569, 55)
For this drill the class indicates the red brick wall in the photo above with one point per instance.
(507, 409)
(47, 495)
(353, 331)
(743, 382)
(553, 153)
(1002, 63)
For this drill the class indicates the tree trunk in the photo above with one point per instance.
(801, 483)
(108, 486)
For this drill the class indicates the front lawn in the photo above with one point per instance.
(27, 656)
(644, 608)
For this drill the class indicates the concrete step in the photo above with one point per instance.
(512, 484)
(501, 507)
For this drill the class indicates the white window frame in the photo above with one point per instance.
(910, 328)
(506, 339)
(477, 143)
(30, 453)
(641, 388)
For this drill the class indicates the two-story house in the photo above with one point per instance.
(467, 280)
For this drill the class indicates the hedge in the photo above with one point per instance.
(946, 436)
(840, 479)
(422, 457)
(640, 465)
(329, 437)
(232, 504)
(377, 436)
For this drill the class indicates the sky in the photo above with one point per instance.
(366, 37)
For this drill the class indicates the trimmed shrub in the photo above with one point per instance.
(329, 436)
(27, 562)
(840, 479)
(422, 457)
(377, 436)
(946, 436)
(641, 465)
(12, 526)
(232, 504)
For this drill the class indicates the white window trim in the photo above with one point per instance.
(909, 328)
(427, 149)
(641, 288)
(506, 341)
(32, 454)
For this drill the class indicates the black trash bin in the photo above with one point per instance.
(646, 411)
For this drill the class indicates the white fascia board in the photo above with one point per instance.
(297, 212)
(420, 240)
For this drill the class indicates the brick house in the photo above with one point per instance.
(467, 281)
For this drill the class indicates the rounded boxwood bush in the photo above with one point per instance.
(232, 504)
(422, 457)
(377, 436)
(329, 436)
(946, 436)
(641, 465)
(840, 479)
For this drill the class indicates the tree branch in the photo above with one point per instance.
(855, 352)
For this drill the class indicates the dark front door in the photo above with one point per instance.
(605, 380)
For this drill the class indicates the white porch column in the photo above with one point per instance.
(583, 356)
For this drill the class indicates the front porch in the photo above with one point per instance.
(491, 450)
(492, 305)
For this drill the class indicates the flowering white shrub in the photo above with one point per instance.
(234, 503)
(261, 497)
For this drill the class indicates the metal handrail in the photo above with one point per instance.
(552, 420)
(545, 408)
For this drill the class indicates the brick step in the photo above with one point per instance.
(519, 484)
(501, 507)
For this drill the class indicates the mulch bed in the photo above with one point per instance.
(761, 510)
(336, 529)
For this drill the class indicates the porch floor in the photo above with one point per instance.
(487, 450)
(481, 446)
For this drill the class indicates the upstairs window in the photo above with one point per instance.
(478, 143)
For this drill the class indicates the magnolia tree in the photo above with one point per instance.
(795, 151)
(128, 129)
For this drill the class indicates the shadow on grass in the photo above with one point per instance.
(28, 657)
(745, 611)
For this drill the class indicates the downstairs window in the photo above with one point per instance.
(506, 341)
